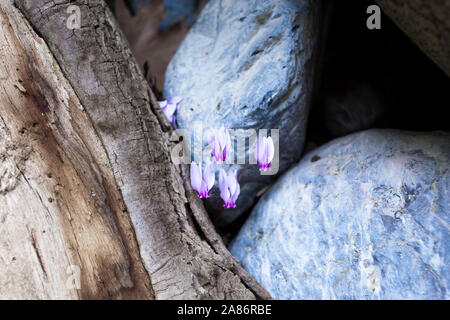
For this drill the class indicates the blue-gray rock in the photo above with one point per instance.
(176, 11)
(248, 64)
(366, 216)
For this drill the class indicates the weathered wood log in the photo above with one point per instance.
(87, 182)
(60, 208)
(427, 23)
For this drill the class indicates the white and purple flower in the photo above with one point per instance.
(202, 183)
(219, 141)
(264, 153)
(229, 188)
(169, 108)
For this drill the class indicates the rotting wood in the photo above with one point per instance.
(60, 209)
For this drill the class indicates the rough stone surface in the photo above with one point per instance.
(364, 217)
(248, 64)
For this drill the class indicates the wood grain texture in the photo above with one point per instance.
(427, 23)
(59, 204)
(146, 42)
(121, 140)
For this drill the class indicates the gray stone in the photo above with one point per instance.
(176, 11)
(365, 216)
(248, 65)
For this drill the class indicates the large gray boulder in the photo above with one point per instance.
(248, 65)
(366, 216)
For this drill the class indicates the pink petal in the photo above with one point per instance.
(204, 190)
(225, 195)
(222, 180)
(209, 176)
(265, 151)
(216, 150)
(224, 154)
(260, 149)
(231, 182)
(176, 100)
(218, 137)
(222, 137)
(170, 109)
(209, 135)
(270, 149)
(162, 104)
(196, 177)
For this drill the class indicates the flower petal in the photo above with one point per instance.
(209, 175)
(209, 136)
(222, 180)
(224, 192)
(196, 177)
(175, 100)
(225, 195)
(162, 104)
(270, 149)
(204, 190)
(265, 155)
(216, 150)
(222, 137)
(231, 182)
(224, 154)
(218, 137)
(170, 109)
(260, 146)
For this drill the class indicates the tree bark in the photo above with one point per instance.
(427, 23)
(87, 180)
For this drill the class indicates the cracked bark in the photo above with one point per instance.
(86, 174)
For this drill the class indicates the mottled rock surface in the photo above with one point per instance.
(248, 64)
(365, 216)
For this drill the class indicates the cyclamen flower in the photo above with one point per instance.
(202, 183)
(169, 109)
(219, 140)
(229, 188)
(264, 153)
